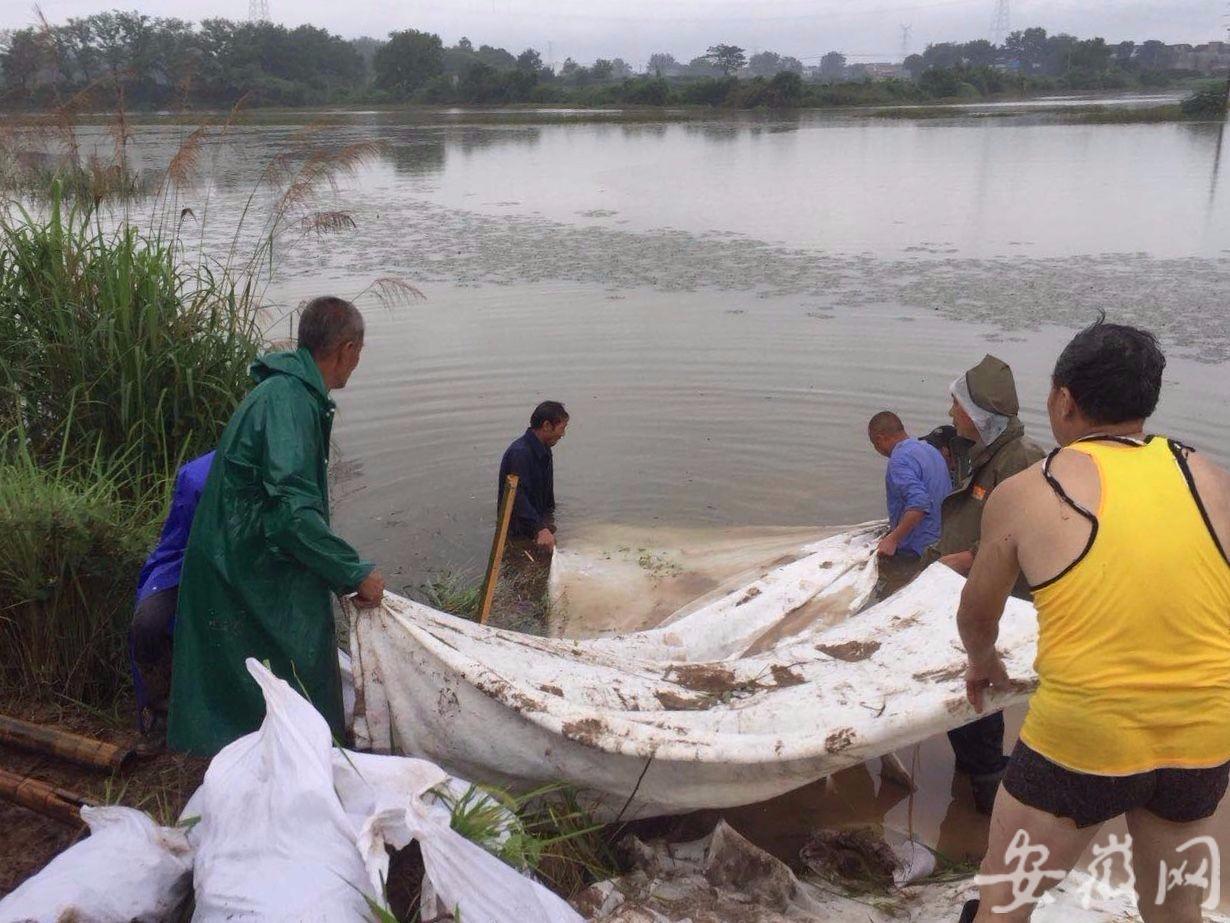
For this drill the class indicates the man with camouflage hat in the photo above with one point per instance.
(984, 412)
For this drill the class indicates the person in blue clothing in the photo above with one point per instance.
(531, 534)
(153, 620)
(916, 482)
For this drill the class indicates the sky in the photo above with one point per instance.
(864, 30)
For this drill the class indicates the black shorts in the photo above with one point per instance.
(1178, 795)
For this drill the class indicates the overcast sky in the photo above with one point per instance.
(633, 29)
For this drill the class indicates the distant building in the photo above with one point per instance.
(881, 70)
(1209, 58)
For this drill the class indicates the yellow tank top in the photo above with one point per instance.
(1134, 637)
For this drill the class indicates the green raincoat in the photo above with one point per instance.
(261, 564)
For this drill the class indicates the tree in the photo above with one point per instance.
(1059, 52)
(602, 70)
(833, 64)
(465, 44)
(980, 53)
(791, 65)
(914, 65)
(1153, 55)
(764, 64)
(620, 69)
(944, 55)
(21, 60)
(1123, 53)
(726, 58)
(1092, 56)
(408, 61)
(1027, 48)
(529, 60)
(663, 64)
(702, 67)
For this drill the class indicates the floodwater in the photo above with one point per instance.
(722, 303)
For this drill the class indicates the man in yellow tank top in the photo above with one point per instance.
(1122, 536)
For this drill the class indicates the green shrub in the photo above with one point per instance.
(1208, 102)
(71, 546)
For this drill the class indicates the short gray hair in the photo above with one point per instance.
(328, 322)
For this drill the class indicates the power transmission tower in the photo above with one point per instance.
(905, 41)
(258, 10)
(1003, 22)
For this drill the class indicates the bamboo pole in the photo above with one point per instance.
(35, 795)
(497, 547)
(84, 751)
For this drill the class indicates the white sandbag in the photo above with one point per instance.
(273, 841)
(127, 869)
(292, 828)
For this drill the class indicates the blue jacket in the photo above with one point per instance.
(161, 569)
(534, 507)
(917, 478)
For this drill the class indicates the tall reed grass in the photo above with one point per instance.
(124, 349)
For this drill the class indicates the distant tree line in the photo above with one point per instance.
(157, 62)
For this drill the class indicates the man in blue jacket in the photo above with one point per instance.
(532, 530)
(916, 482)
(153, 620)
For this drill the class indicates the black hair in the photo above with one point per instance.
(941, 437)
(1112, 371)
(552, 412)
(885, 423)
(328, 322)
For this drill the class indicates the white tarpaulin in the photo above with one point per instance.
(771, 687)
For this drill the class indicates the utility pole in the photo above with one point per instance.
(258, 10)
(1002, 24)
(905, 41)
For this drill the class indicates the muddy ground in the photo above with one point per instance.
(159, 785)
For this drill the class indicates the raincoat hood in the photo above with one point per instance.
(992, 387)
(295, 363)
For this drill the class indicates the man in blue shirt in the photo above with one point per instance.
(532, 530)
(916, 482)
(153, 621)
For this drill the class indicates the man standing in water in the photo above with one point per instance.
(916, 482)
(1123, 538)
(532, 530)
(262, 562)
(984, 412)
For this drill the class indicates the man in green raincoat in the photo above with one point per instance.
(984, 412)
(262, 563)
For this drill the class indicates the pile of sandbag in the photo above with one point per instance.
(286, 827)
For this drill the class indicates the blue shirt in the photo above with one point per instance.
(534, 505)
(917, 479)
(161, 570)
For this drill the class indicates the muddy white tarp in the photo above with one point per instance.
(766, 689)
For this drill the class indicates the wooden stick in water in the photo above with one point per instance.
(497, 547)
(84, 751)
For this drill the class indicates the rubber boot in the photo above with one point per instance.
(969, 911)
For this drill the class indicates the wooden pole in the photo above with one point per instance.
(497, 547)
(84, 751)
(38, 796)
